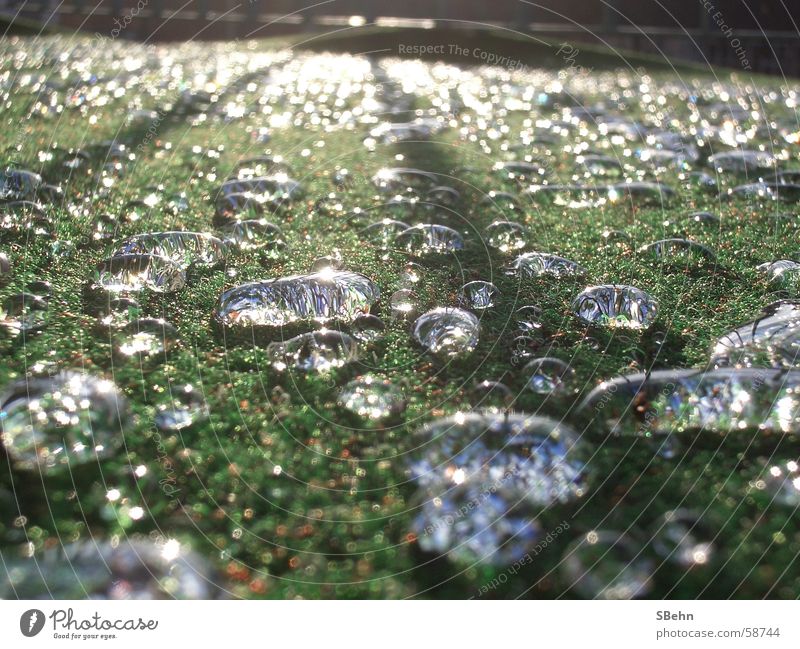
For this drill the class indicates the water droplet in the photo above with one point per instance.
(131, 570)
(337, 295)
(326, 264)
(116, 312)
(606, 565)
(253, 233)
(726, 401)
(527, 318)
(536, 264)
(147, 338)
(372, 398)
(447, 331)
(67, 418)
(182, 248)
(478, 295)
(19, 184)
(742, 162)
(318, 351)
(612, 305)
(536, 454)
(781, 481)
(139, 272)
(679, 249)
(773, 339)
(703, 218)
(411, 274)
(5, 268)
(399, 179)
(429, 238)
(186, 407)
(505, 236)
(683, 537)
(367, 327)
(548, 376)
(641, 194)
(403, 304)
(23, 313)
(383, 233)
(492, 396)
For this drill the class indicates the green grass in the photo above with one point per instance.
(335, 522)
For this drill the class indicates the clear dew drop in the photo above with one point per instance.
(186, 406)
(505, 236)
(771, 340)
(429, 238)
(616, 306)
(133, 273)
(318, 351)
(367, 327)
(67, 418)
(447, 331)
(403, 304)
(478, 295)
(128, 570)
(23, 313)
(548, 376)
(334, 295)
(116, 312)
(251, 234)
(606, 565)
(146, 338)
(677, 249)
(684, 537)
(536, 264)
(372, 398)
(182, 248)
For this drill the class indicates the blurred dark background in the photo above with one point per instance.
(760, 35)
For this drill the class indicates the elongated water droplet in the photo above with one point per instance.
(337, 295)
(182, 248)
(535, 264)
(139, 272)
(616, 305)
(67, 418)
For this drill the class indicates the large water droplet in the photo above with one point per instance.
(182, 248)
(447, 331)
(548, 376)
(147, 338)
(724, 401)
(606, 565)
(613, 305)
(478, 295)
(505, 236)
(130, 570)
(336, 295)
(318, 351)
(67, 418)
(773, 339)
(19, 184)
(429, 238)
(683, 537)
(676, 249)
(139, 272)
(23, 313)
(535, 264)
(372, 398)
(186, 406)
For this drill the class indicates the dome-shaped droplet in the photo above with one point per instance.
(403, 304)
(505, 236)
(606, 565)
(23, 313)
(478, 295)
(139, 272)
(128, 570)
(182, 248)
(367, 327)
(429, 238)
(548, 376)
(185, 406)
(326, 296)
(447, 331)
(146, 338)
(318, 351)
(613, 305)
(372, 398)
(685, 538)
(535, 264)
(63, 419)
(252, 233)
